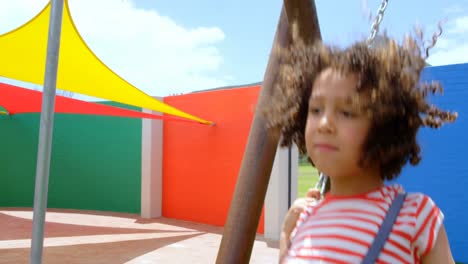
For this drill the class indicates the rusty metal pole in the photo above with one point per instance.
(246, 206)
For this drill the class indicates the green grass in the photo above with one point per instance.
(307, 178)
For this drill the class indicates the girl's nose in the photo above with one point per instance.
(326, 124)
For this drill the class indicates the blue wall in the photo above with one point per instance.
(443, 171)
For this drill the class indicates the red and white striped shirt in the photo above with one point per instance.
(341, 229)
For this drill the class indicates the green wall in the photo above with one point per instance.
(95, 164)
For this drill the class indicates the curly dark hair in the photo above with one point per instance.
(389, 82)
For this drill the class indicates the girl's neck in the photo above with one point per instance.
(363, 182)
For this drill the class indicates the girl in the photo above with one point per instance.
(356, 113)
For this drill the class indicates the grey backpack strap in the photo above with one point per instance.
(385, 229)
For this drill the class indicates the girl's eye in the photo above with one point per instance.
(347, 114)
(314, 110)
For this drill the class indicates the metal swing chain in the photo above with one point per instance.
(375, 26)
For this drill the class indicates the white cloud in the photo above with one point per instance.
(458, 54)
(460, 25)
(455, 9)
(452, 47)
(17, 12)
(151, 51)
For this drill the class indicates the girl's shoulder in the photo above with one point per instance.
(427, 216)
(418, 200)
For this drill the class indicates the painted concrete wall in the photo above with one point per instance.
(283, 181)
(282, 190)
(95, 163)
(151, 167)
(442, 173)
(201, 163)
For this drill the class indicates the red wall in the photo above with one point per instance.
(201, 163)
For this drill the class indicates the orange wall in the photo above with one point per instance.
(201, 163)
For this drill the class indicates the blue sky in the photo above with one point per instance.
(167, 47)
(249, 26)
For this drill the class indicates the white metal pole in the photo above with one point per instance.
(45, 131)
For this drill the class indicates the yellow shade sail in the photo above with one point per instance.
(23, 56)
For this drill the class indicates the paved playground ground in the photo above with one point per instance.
(73, 236)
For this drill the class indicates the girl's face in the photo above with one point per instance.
(335, 130)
